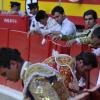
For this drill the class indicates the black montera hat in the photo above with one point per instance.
(33, 5)
(14, 4)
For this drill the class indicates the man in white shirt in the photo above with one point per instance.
(67, 27)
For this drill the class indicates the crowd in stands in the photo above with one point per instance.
(40, 81)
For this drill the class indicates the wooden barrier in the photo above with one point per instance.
(38, 52)
(14, 22)
(20, 41)
(4, 37)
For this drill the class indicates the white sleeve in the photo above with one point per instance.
(53, 25)
(68, 28)
(78, 40)
(97, 51)
(56, 28)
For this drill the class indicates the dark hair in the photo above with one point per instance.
(15, 55)
(90, 12)
(33, 6)
(14, 4)
(88, 59)
(41, 14)
(96, 32)
(8, 54)
(57, 9)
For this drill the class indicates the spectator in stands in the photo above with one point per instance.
(15, 9)
(46, 24)
(90, 18)
(67, 27)
(96, 41)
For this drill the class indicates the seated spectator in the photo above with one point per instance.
(67, 27)
(96, 41)
(15, 9)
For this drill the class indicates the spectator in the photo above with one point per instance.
(67, 27)
(15, 9)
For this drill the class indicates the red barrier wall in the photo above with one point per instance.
(14, 22)
(38, 52)
(4, 34)
(20, 41)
